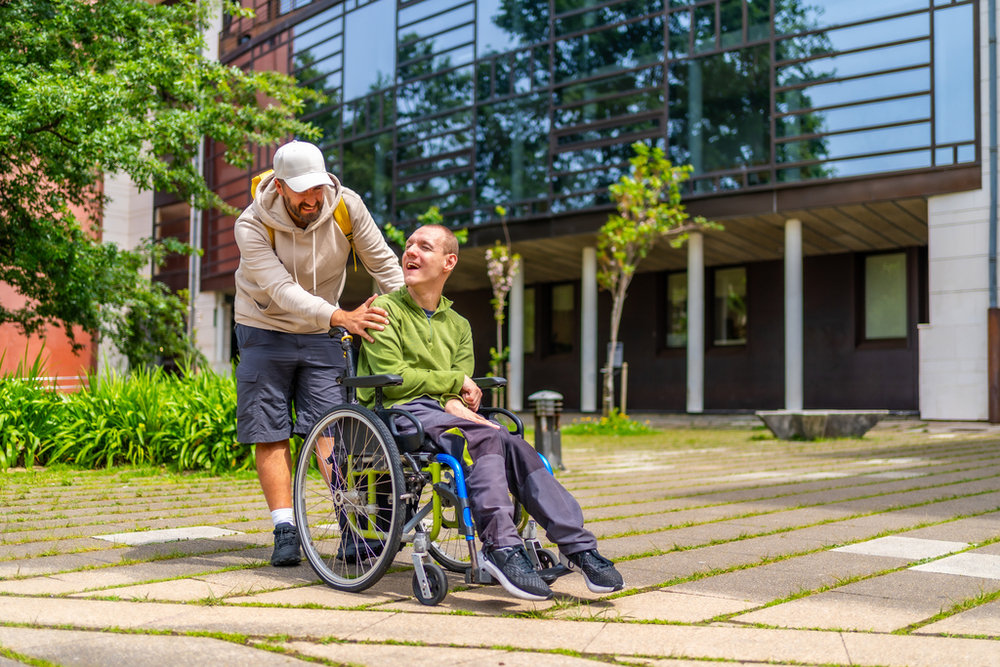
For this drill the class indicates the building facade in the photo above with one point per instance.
(839, 142)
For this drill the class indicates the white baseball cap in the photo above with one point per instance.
(301, 166)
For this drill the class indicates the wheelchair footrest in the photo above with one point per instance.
(550, 574)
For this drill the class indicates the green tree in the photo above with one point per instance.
(113, 87)
(649, 209)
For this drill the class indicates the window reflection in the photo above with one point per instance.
(503, 25)
(885, 296)
(954, 75)
(677, 297)
(719, 110)
(512, 140)
(562, 333)
(369, 48)
(368, 171)
(731, 306)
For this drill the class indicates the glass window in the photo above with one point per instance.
(610, 50)
(856, 117)
(954, 75)
(503, 25)
(512, 142)
(731, 306)
(731, 23)
(704, 28)
(796, 15)
(885, 296)
(370, 49)
(368, 171)
(563, 325)
(677, 310)
(435, 95)
(606, 15)
(719, 110)
(529, 320)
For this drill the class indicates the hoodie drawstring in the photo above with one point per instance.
(313, 235)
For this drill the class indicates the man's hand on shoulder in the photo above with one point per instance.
(471, 394)
(361, 318)
(457, 408)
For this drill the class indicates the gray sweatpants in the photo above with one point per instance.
(500, 455)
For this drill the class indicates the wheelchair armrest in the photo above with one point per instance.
(490, 382)
(369, 381)
(487, 412)
(408, 443)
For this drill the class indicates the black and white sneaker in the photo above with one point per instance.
(599, 573)
(286, 545)
(511, 567)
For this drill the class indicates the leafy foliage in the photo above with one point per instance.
(112, 87)
(615, 423)
(502, 265)
(649, 209)
(148, 417)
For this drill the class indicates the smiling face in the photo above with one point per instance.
(427, 258)
(304, 207)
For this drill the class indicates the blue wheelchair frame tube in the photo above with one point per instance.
(545, 462)
(456, 468)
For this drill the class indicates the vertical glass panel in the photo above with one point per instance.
(370, 47)
(885, 296)
(512, 141)
(286, 6)
(605, 15)
(503, 25)
(731, 23)
(798, 15)
(704, 28)
(562, 335)
(967, 153)
(610, 50)
(435, 94)
(718, 110)
(677, 310)
(954, 75)
(529, 320)
(731, 306)
(368, 171)
(758, 19)
(679, 26)
(944, 156)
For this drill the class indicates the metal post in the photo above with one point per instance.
(588, 333)
(515, 336)
(624, 402)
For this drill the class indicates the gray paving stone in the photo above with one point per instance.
(99, 649)
(966, 564)
(166, 535)
(983, 621)
(910, 548)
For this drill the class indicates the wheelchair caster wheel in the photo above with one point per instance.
(438, 582)
(547, 559)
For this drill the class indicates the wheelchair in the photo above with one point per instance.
(363, 491)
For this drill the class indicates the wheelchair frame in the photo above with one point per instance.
(357, 496)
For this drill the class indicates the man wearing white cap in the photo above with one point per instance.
(293, 260)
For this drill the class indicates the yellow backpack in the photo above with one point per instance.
(340, 214)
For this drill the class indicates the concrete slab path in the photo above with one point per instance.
(735, 547)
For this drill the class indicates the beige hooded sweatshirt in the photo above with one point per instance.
(295, 286)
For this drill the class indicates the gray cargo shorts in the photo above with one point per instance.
(278, 370)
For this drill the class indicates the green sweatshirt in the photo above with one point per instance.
(432, 354)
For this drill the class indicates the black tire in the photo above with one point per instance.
(547, 559)
(350, 528)
(438, 582)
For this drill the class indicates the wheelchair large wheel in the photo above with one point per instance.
(347, 488)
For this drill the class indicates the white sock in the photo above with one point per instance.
(283, 515)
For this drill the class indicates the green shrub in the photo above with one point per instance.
(148, 417)
(614, 424)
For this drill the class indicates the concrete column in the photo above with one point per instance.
(696, 324)
(793, 315)
(515, 336)
(588, 332)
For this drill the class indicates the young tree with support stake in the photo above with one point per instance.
(649, 206)
(502, 264)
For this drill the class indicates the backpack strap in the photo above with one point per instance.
(343, 219)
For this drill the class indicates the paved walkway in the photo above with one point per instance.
(735, 547)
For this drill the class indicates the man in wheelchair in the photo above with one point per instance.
(430, 346)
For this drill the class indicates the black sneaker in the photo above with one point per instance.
(511, 567)
(598, 571)
(349, 552)
(286, 545)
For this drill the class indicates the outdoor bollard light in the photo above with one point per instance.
(548, 438)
